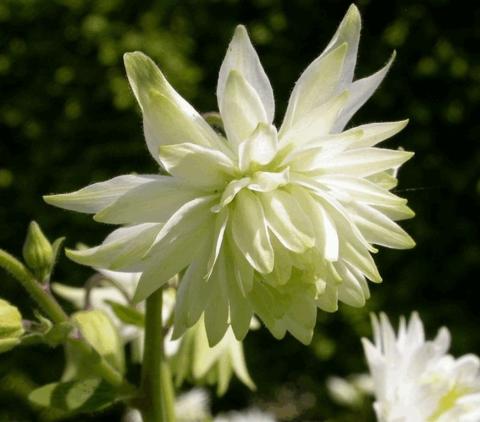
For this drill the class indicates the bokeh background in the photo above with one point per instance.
(67, 119)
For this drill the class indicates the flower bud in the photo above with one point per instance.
(11, 327)
(38, 252)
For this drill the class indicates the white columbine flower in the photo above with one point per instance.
(416, 380)
(260, 220)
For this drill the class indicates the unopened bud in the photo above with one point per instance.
(11, 327)
(38, 252)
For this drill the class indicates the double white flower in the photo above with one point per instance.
(416, 380)
(257, 220)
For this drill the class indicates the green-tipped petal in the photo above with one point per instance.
(167, 117)
(317, 84)
(98, 196)
(152, 202)
(121, 250)
(242, 58)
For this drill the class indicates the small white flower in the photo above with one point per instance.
(415, 380)
(260, 220)
(249, 415)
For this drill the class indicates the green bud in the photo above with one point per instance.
(11, 327)
(38, 252)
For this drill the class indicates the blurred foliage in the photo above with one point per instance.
(67, 118)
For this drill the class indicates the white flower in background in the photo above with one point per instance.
(113, 286)
(415, 380)
(199, 362)
(192, 406)
(260, 220)
(250, 415)
(350, 391)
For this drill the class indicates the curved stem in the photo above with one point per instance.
(157, 390)
(42, 296)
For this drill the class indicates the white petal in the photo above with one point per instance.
(216, 312)
(196, 165)
(350, 291)
(374, 133)
(260, 148)
(167, 117)
(361, 190)
(242, 57)
(240, 368)
(267, 308)
(360, 91)
(121, 250)
(286, 219)
(395, 212)
(363, 162)
(317, 84)
(379, 229)
(326, 236)
(241, 109)
(98, 196)
(241, 311)
(175, 245)
(194, 291)
(230, 191)
(265, 181)
(328, 300)
(242, 270)
(218, 234)
(162, 264)
(151, 202)
(315, 124)
(250, 233)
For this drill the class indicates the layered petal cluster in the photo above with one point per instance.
(277, 222)
(416, 380)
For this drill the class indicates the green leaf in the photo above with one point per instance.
(127, 314)
(86, 395)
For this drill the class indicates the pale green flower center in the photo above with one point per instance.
(448, 401)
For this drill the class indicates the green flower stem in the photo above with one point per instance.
(44, 299)
(157, 389)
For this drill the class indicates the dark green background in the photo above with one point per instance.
(67, 118)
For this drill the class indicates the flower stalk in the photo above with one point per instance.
(42, 296)
(157, 389)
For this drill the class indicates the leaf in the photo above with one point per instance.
(127, 314)
(86, 395)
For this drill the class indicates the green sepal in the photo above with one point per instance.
(102, 336)
(86, 395)
(127, 314)
(56, 247)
